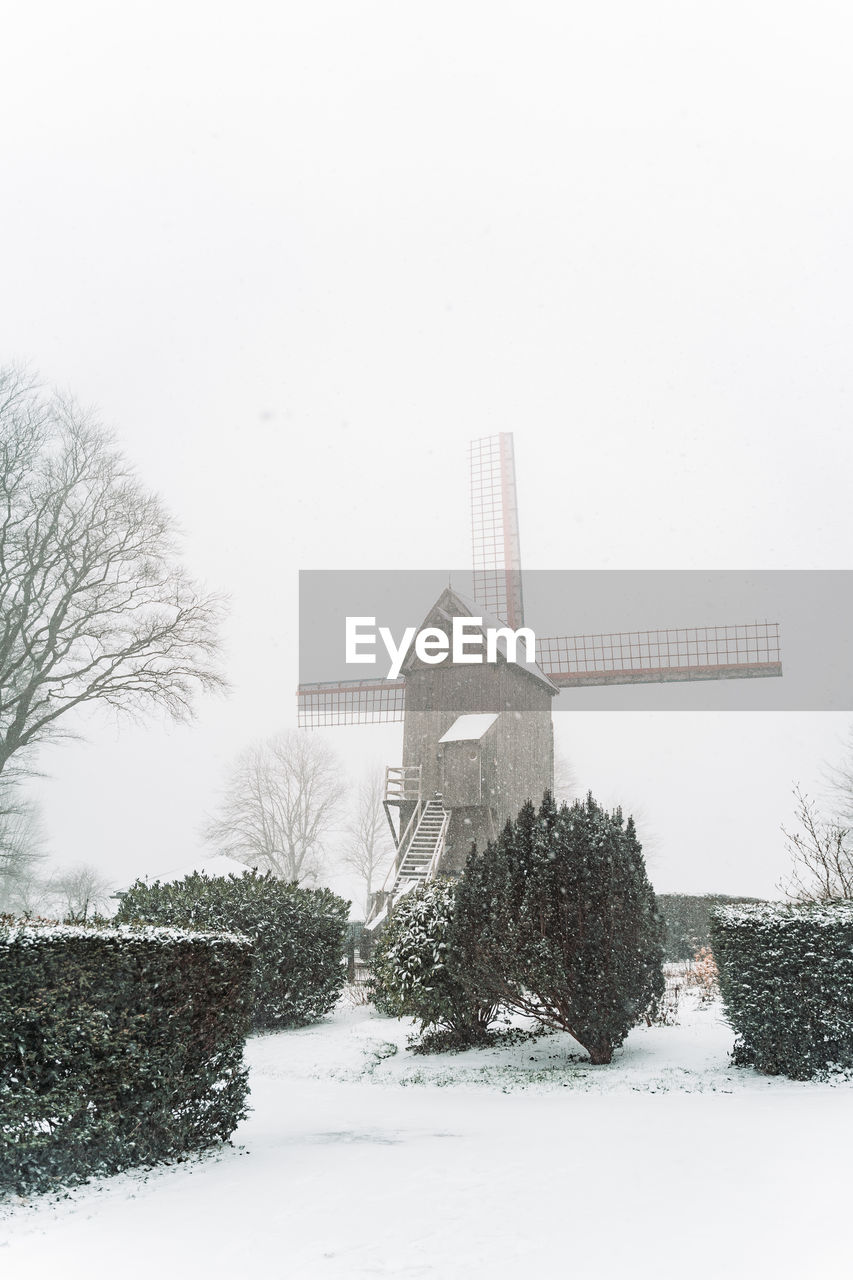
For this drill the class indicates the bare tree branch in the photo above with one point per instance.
(21, 851)
(94, 606)
(80, 893)
(565, 781)
(840, 780)
(822, 855)
(281, 799)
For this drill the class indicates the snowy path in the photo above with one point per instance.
(666, 1164)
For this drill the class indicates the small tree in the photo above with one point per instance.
(557, 920)
(368, 844)
(80, 893)
(281, 799)
(822, 855)
(415, 969)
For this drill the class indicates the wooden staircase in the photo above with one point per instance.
(421, 856)
(419, 846)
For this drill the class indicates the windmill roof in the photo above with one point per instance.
(452, 604)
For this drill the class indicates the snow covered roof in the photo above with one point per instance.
(469, 728)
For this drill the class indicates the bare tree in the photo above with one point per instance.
(565, 782)
(81, 892)
(368, 845)
(21, 851)
(94, 606)
(282, 798)
(840, 782)
(34, 896)
(822, 855)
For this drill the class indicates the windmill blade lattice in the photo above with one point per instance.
(744, 651)
(494, 528)
(335, 702)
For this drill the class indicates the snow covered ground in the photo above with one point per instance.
(363, 1159)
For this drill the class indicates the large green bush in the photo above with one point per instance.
(557, 919)
(298, 935)
(415, 972)
(117, 1047)
(786, 978)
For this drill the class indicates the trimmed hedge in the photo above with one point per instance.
(786, 978)
(298, 936)
(117, 1048)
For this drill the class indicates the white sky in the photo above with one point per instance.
(298, 254)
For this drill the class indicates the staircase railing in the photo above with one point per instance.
(411, 827)
(402, 782)
(402, 786)
(439, 846)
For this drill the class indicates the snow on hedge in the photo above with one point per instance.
(786, 978)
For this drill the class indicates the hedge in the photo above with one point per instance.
(298, 935)
(786, 978)
(117, 1047)
(687, 920)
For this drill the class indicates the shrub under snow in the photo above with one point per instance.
(557, 919)
(786, 978)
(415, 971)
(298, 935)
(117, 1047)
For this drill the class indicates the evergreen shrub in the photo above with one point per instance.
(415, 972)
(117, 1047)
(557, 919)
(786, 978)
(298, 936)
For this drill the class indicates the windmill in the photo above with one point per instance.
(478, 739)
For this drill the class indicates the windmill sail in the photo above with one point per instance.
(350, 702)
(494, 528)
(746, 651)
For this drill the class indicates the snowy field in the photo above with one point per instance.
(361, 1158)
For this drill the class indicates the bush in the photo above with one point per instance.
(786, 978)
(298, 935)
(687, 921)
(117, 1047)
(415, 973)
(557, 920)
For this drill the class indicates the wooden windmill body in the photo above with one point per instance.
(478, 738)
